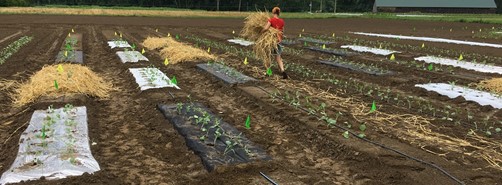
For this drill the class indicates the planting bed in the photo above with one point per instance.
(337, 52)
(356, 67)
(151, 78)
(241, 42)
(215, 141)
(225, 73)
(315, 41)
(375, 51)
(131, 56)
(453, 91)
(318, 127)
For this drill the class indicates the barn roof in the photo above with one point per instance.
(437, 3)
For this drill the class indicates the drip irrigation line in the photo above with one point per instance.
(379, 144)
(268, 178)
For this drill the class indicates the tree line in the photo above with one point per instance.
(223, 5)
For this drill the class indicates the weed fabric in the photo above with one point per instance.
(218, 146)
(225, 73)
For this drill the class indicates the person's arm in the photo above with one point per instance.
(266, 27)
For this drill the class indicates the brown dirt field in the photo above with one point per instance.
(136, 145)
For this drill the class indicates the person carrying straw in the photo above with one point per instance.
(277, 23)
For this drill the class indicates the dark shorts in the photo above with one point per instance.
(277, 51)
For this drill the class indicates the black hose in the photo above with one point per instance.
(380, 145)
(268, 179)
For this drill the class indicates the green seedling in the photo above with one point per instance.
(345, 134)
(430, 67)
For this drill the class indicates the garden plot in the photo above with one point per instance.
(462, 64)
(357, 67)
(55, 145)
(118, 44)
(71, 50)
(317, 41)
(74, 40)
(225, 73)
(151, 78)
(241, 42)
(215, 141)
(453, 91)
(375, 51)
(131, 56)
(337, 52)
(429, 39)
(12, 48)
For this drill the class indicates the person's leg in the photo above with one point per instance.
(278, 58)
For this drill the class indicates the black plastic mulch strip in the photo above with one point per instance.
(355, 68)
(211, 153)
(337, 52)
(225, 73)
(317, 41)
(73, 57)
(288, 42)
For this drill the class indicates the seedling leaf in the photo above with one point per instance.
(346, 134)
(248, 122)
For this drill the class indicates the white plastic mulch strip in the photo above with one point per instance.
(349, 14)
(151, 78)
(375, 51)
(453, 91)
(430, 39)
(118, 44)
(462, 64)
(131, 56)
(411, 15)
(241, 42)
(55, 145)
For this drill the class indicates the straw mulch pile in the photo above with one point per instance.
(178, 52)
(265, 42)
(73, 79)
(492, 85)
(153, 43)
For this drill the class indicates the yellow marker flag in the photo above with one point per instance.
(209, 50)
(303, 30)
(300, 35)
(73, 31)
(246, 61)
(66, 53)
(143, 51)
(166, 62)
(233, 31)
(333, 35)
(69, 34)
(324, 46)
(392, 57)
(168, 34)
(60, 69)
(120, 35)
(380, 46)
(461, 57)
(451, 30)
(472, 32)
(157, 30)
(480, 30)
(115, 33)
(493, 28)
(423, 45)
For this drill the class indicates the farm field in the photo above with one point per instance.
(318, 127)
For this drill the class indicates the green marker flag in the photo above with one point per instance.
(373, 107)
(43, 132)
(177, 37)
(174, 81)
(304, 43)
(248, 122)
(56, 85)
(430, 67)
(269, 71)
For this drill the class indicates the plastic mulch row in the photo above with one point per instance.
(77, 58)
(223, 73)
(337, 52)
(355, 68)
(317, 41)
(211, 153)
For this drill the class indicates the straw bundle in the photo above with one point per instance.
(153, 43)
(265, 42)
(74, 79)
(492, 85)
(178, 52)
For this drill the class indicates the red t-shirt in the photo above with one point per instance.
(277, 23)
